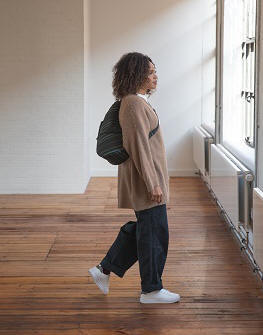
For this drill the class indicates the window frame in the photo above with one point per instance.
(219, 82)
(249, 72)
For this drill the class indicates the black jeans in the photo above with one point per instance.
(146, 241)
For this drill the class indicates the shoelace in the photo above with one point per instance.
(165, 291)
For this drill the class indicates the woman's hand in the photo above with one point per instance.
(156, 194)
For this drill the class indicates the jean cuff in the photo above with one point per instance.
(113, 268)
(151, 288)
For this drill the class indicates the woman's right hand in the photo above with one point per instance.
(156, 194)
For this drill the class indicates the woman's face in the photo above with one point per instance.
(151, 81)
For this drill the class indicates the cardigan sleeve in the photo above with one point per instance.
(135, 131)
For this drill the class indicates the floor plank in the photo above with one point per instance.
(48, 242)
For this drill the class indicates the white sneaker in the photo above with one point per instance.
(160, 296)
(100, 279)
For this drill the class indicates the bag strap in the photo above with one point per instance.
(152, 132)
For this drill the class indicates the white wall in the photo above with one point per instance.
(260, 101)
(86, 111)
(55, 83)
(42, 140)
(208, 71)
(174, 34)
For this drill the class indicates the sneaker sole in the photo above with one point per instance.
(97, 281)
(154, 301)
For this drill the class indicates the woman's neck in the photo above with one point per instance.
(142, 91)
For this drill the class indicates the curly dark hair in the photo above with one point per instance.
(129, 74)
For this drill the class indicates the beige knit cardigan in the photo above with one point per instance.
(146, 166)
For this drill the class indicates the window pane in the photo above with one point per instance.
(236, 78)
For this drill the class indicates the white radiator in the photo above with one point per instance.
(201, 151)
(231, 184)
(258, 226)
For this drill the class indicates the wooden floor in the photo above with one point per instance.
(48, 242)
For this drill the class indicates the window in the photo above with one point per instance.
(248, 77)
(237, 122)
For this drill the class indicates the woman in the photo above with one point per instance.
(143, 184)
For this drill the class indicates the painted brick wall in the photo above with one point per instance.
(42, 140)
